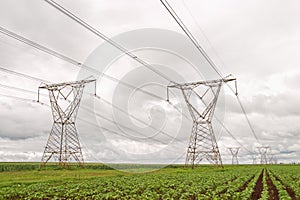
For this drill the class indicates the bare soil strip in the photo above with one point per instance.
(258, 188)
(286, 187)
(272, 190)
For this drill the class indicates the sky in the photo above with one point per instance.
(258, 42)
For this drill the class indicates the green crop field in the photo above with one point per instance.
(96, 181)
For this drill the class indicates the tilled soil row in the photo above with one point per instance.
(272, 190)
(286, 187)
(258, 188)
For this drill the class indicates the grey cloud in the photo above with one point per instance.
(280, 105)
(287, 152)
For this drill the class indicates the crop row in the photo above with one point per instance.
(287, 180)
(180, 185)
(269, 186)
(248, 182)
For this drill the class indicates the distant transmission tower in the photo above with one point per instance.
(263, 150)
(271, 157)
(63, 143)
(234, 152)
(254, 160)
(202, 143)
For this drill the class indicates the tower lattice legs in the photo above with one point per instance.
(63, 145)
(202, 145)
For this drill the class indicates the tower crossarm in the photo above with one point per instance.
(192, 85)
(58, 86)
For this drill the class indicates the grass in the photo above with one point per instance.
(8, 178)
(28, 173)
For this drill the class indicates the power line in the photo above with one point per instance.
(21, 75)
(190, 35)
(239, 101)
(101, 35)
(228, 132)
(97, 114)
(203, 53)
(124, 50)
(19, 98)
(42, 80)
(35, 101)
(104, 37)
(202, 31)
(106, 129)
(247, 118)
(118, 124)
(107, 39)
(16, 89)
(85, 108)
(75, 18)
(83, 120)
(74, 62)
(202, 100)
(132, 116)
(67, 59)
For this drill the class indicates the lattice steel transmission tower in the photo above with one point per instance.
(63, 142)
(254, 160)
(271, 157)
(202, 142)
(234, 153)
(263, 150)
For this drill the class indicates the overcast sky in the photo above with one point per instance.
(256, 41)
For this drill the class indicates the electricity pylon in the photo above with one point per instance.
(254, 160)
(202, 142)
(63, 142)
(234, 152)
(271, 157)
(263, 150)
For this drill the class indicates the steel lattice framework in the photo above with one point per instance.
(263, 150)
(234, 152)
(202, 142)
(63, 142)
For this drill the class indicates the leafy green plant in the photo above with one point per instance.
(235, 182)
